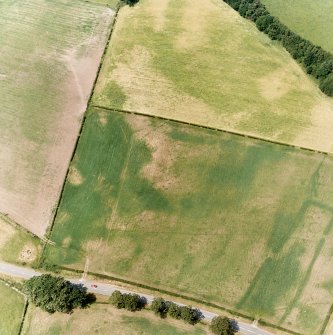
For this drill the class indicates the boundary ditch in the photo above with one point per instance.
(231, 132)
(23, 316)
(56, 208)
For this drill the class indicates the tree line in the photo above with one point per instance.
(316, 61)
(163, 308)
(56, 294)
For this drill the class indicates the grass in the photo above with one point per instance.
(104, 320)
(44, 43)
(202, 63)
(11, 310)
(17, 245)
(243, 223)
(312, 20)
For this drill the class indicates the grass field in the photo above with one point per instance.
(16, 245)
(310, 19)
(202, 63)
(50, 52)
(11, 310)
(243, 223)
(104, 320)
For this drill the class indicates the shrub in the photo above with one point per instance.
(174, 311)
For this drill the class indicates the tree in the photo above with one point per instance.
(221, 326)
(324, 69)
(326, 85)
(117, 300)
(129, 301)
(133, 302)
(190, 315)
(160, 307)
(55, 294)
(264, 22)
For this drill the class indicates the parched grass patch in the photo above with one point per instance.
(17, 245)
(242, 223)
(104, 320)
(200, 62)
(50, 52)
(310, 19)
(11, 310)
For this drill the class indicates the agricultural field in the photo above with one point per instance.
(240, 222)
(200, 62)
(50, 52)
(110, 3)
(104, 320)
(310, 19)
(17, 245)
(11, 310)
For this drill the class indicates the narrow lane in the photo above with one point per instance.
(107, 289)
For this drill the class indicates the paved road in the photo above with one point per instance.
(106, 289)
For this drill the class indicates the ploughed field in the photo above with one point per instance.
(240, 222)
(50, 52)
(104, 320)
(11, 310)
(310, 19)
(200, 62)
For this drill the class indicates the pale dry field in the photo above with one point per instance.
(104, 320)
(50, 52)
(200, 62)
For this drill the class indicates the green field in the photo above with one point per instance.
(310, 19)
(104, 320)
(50, 52)
(11, 310)
(244, 223)
(202, 63)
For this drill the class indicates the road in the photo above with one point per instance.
(107, 289)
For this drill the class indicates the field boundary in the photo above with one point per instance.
(5, 217)
(232, 132)
(56, 208)
(160, 290)
(326, 320)
(23, 316)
